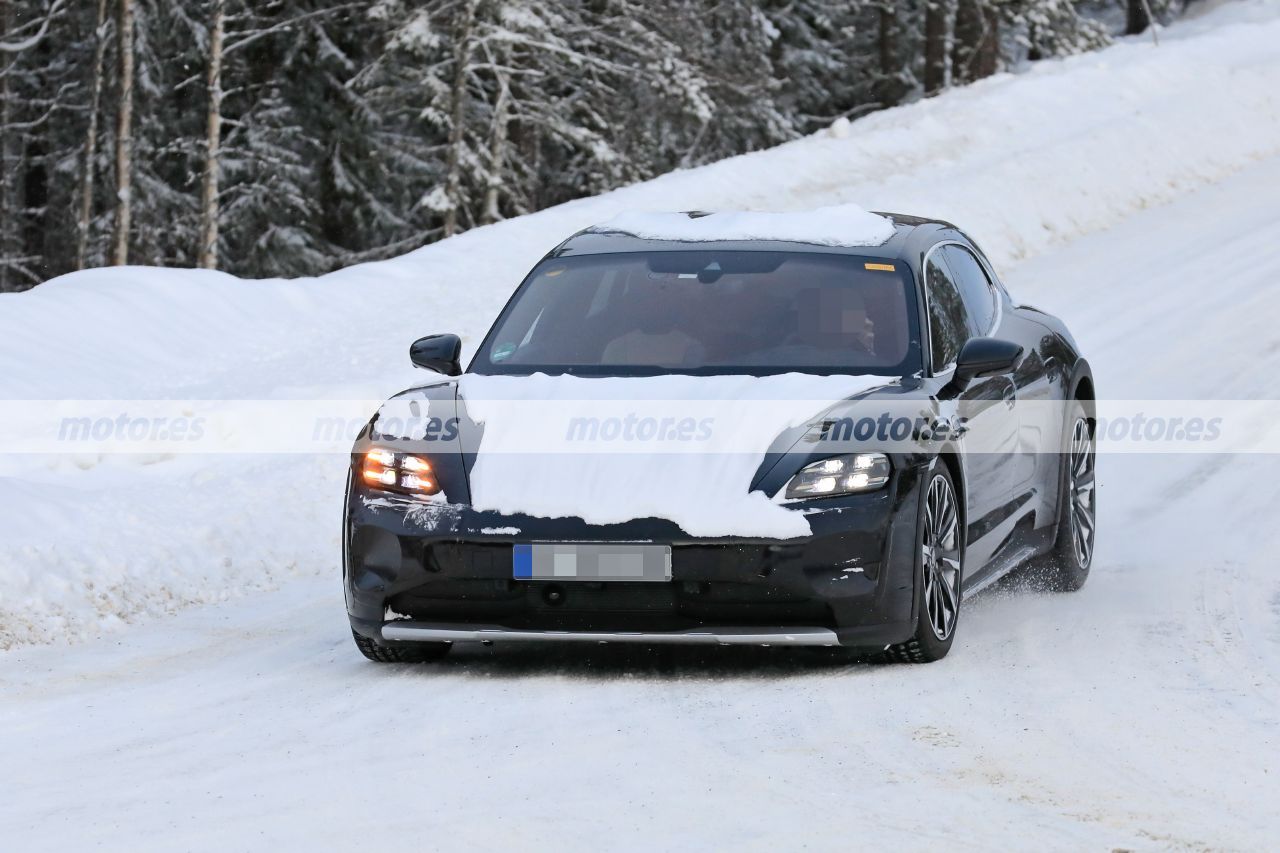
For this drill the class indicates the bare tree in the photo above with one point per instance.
(463, 45)
(124, 134)
(27, 42)
(498, 57)
(85, 214)
(207, 257)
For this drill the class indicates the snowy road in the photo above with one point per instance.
(1142, 712)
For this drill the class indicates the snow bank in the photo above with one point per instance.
(1022, 162)
(842, 225)
(632, 475)
(95, 549)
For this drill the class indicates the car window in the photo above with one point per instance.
(975, 288)
(949, 322)
(708, 311)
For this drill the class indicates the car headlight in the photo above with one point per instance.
(400, 472)
(840, 475)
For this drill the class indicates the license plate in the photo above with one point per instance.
(589, 562)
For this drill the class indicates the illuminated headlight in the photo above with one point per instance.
(399, 472)
(840, 475)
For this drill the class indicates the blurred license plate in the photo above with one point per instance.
(588, 562)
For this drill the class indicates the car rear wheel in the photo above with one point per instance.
(416, 653)
(941, 568)
(1066, 567)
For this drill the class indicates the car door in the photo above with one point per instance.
(1027, 387)
(988, 403)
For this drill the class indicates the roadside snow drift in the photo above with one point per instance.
(1022, 162)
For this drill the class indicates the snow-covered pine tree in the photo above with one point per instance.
(284, 78)
(1045, 28)
(490, 108)
(812, 48)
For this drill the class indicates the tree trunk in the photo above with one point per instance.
(890, 88)
(85, 216)
(457, 113)
(977, 41)
(967, 35)
(987, 60)
(497, 153)
(938, 20)
(124, 135)
(207, 257)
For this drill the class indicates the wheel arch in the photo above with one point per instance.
(949, 456)
(1081, 388)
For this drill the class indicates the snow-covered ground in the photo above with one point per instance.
(1133, 192)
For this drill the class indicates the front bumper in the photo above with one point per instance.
(418, 571)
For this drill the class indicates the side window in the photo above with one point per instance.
(949, 322)
(975, 288)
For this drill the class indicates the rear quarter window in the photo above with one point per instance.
(974, 286)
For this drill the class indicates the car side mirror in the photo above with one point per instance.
(983, 356)
(440, 353)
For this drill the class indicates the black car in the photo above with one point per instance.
(993, 468)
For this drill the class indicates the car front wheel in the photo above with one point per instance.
(941, 559)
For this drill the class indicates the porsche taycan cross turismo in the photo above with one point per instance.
(848, 531)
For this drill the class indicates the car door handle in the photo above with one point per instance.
(946, 427)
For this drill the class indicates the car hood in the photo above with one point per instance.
(611, 449)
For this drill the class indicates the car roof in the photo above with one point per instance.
(597, 242)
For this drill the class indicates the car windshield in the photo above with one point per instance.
(708, 312)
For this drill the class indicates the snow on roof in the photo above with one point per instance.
(841, 225)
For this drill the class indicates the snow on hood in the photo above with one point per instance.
(608, 450)
(841, 225)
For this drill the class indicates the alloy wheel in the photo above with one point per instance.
(940, 555)
(1081, 491)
